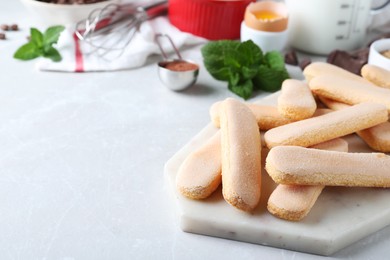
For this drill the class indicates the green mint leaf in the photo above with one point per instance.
(41, 45)
(243, 89)
(232, 60)
(234, 78)
(219, 73)
(245, 54)
(244, 66)
(52, 54)
(250, 53)
(272, 73)
(214, 58)
(52, 34)
(36, 37)
(269, 79)
(274, 60)
(249, 72)
(218, 48)
(222, 58)
(27, 51)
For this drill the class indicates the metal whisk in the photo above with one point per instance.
(113, 27)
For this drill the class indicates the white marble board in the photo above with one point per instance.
(340, 217)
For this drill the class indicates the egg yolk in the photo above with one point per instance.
(266, 15)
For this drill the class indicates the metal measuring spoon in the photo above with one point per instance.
(176, 74)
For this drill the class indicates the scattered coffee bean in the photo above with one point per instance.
(2, 36)
(291, 58)
(304, 62)
(14, 27)
(4, 27)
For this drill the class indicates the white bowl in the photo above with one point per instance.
(61, 14)
(375, 57)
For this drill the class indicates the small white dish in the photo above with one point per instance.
(62, 14)
(267, 41)
(375, 57)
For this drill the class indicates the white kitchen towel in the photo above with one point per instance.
(79, 56)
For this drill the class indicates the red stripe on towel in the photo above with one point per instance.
(78, 55)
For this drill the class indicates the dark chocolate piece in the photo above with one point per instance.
(291, 58)
(352, 62)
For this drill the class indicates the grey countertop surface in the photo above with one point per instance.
(82, 163)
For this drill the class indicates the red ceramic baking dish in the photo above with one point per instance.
(211, 19)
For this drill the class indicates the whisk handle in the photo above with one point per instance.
(157, 9)
(157, 38)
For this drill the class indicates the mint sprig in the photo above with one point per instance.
(41, 45)
(244, 66)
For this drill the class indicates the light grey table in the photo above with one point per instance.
(82, 157)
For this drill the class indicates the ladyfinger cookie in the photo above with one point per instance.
(322, 128)
(377, 75)
(306, 166)
(332, 104)
(349, 91)
(294, 202)
(337, 144)
(321, 68)
(200, 173)
(296, 100)
(241, 155)
(214, 113)
(376, 137)
(267, 117)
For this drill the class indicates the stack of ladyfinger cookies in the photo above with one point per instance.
(306, 149)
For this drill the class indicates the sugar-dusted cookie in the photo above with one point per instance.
(294, 202)
(349, 91)
(267, 117)
(241, 155)
(321, 68)
(200, 173)
(322, 128)
(377, 75)
(296, 100)
(377, 137)
(306, 166)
